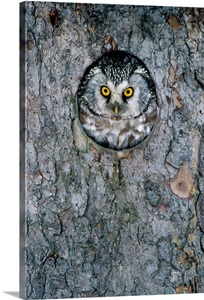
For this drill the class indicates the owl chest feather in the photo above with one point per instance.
(115, 134)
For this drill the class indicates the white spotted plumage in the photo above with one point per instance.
(124, 115)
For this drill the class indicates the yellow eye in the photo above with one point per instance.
(128, 92)
(105, 91)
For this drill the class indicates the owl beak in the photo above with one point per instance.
(116, 109)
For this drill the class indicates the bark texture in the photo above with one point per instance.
(100, 223)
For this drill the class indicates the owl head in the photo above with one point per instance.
(117, 101)
(117, 84)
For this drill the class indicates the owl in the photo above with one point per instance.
(117, 102)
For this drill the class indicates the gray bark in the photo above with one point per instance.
(99, 223)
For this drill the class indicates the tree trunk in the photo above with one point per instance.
(98, 222)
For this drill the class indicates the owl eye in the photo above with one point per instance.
(105, 91)
(128, 92)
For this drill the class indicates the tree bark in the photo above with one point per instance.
(98, 222)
